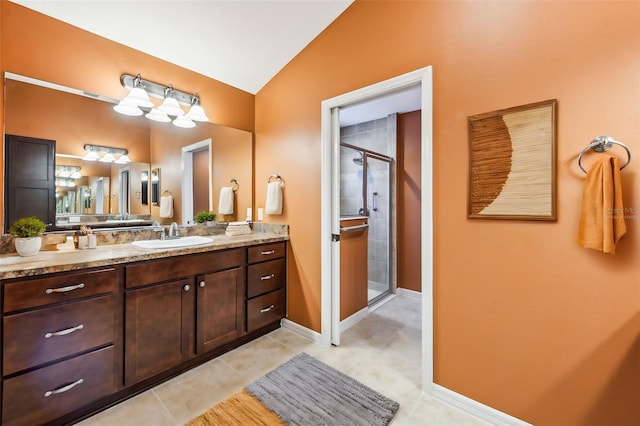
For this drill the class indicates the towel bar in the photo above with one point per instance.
(353, 228)
(602, 144)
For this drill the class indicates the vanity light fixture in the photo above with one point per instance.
(108, 154)
(169, 110)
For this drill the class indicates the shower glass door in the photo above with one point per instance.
(365, 190)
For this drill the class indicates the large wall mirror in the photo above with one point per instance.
(74, 119)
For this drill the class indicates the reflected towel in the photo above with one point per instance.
(225, 205)
(166, 206)
(602, 217)
(273, 205)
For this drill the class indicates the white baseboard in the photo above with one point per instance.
(349, 322)
(302, 331)
(409, 293)
(475, 408)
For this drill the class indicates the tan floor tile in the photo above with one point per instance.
(144, 409)
(197, 390)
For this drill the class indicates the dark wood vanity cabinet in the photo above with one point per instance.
(61, 344)
(75, 342)
(266, 281)
(220, 308)
(158, 331)
(180, 307)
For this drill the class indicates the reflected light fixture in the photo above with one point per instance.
(138, 103)
(72, 172)
(108, 154)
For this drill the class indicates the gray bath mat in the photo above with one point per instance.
(304, 391)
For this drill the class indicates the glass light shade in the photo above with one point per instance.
(71, 183)
(108, 158)
(124, 159)
(139, 97)
(126, 107)
(184, 122)
(170, 106)
(196, 113)
(64, 173)
(157, 115)
(76, 175)
(91, 156)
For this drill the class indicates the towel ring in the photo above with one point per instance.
(602, 144)
(235, 185)
(275, 177)
(167, 192)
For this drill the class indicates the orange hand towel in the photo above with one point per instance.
(602, 218)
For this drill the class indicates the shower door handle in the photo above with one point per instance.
(375, 202)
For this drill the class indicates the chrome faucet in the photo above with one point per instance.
(173, 230)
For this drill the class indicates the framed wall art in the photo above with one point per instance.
(512, 163)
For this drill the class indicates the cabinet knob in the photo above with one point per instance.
(186, 287)
(202, 284)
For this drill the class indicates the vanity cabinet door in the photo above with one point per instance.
(221, 308)
(158, 328)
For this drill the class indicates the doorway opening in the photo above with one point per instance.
(196, 180)
(330, 217)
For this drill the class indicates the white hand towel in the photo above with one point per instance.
(166, 206)
(225, 205)
(273, 204)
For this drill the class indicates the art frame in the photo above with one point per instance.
(512, 163)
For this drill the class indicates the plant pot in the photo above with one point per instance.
(28, 246)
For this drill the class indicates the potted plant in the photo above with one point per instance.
(205, 217)
(28, 231)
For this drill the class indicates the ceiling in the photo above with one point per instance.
(243, 43)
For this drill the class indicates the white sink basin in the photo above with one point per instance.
(194, 240)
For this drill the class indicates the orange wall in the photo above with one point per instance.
(525, 320)
(409, 190)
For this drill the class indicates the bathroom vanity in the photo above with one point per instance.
(86, 329)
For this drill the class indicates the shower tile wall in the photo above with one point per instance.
(378, 136)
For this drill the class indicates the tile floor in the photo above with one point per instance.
(382, 351)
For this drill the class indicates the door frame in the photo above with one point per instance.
(330, 207)
(187, 178)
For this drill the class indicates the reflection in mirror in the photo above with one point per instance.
(74, 118)
(144, 187)
(155, 186)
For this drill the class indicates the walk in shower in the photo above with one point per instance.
(366, 190)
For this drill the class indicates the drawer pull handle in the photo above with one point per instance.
(264, 253)
(64, 388)
(267, 277)
(63, 332)
(262, 311)
(64, 289)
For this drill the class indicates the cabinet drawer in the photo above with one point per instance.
(48, 393)
(266, 252)
(36, 337)
(26, 294)
(156, 271)
(266, 309)
(265, 277)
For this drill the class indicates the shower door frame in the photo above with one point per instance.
(366, 154)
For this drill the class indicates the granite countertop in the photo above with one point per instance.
(67, 258)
